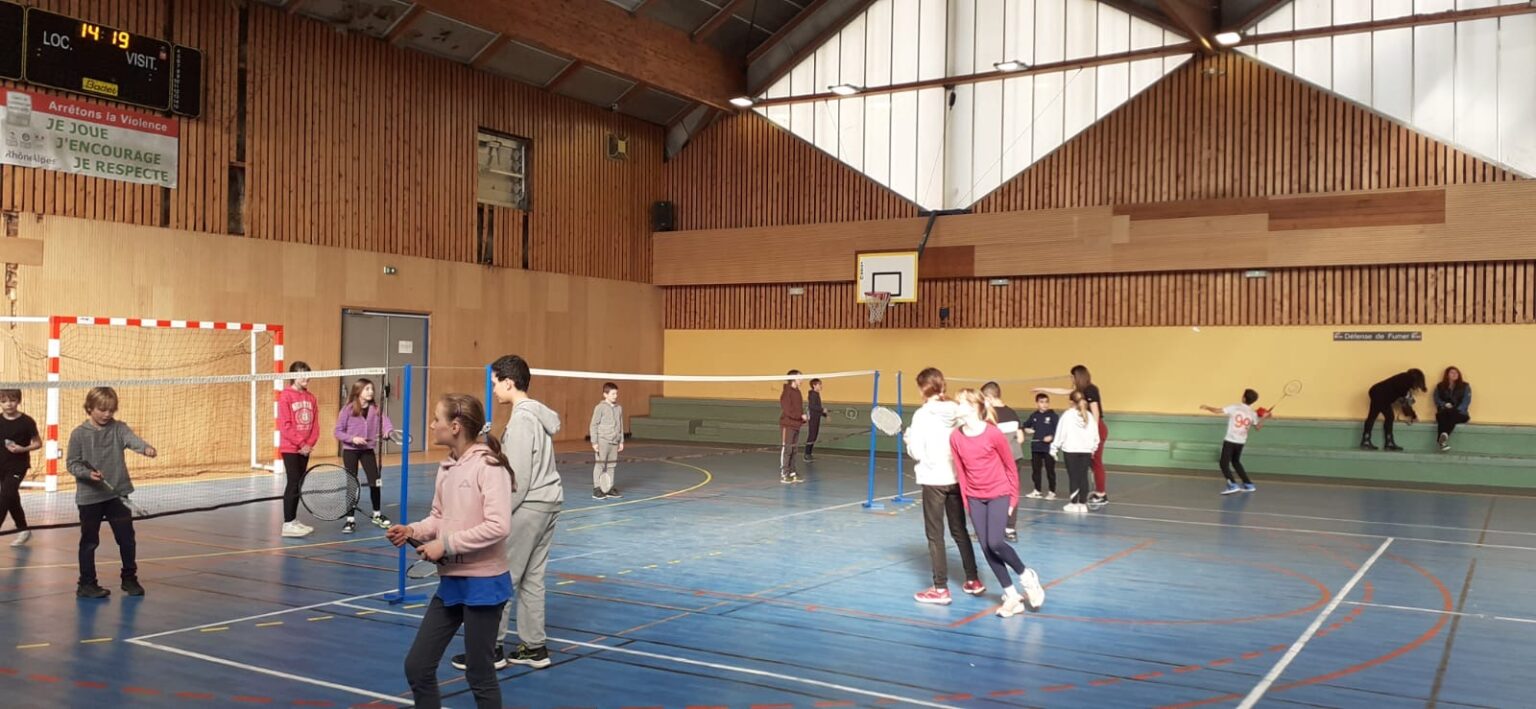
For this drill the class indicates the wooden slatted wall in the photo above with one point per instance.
(744, 171)
(354, 143)
(1449, 294)
(1227, 126)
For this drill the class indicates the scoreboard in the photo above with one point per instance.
(64, 53)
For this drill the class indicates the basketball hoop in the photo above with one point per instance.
(877, 303)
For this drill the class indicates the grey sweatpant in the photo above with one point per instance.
(607, 461)
(527, 559)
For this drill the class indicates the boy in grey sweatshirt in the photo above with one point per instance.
(528, 443)
(95, 458)
(607, 433)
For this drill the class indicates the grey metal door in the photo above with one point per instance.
(391, 340)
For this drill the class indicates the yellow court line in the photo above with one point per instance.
(320, 617)
(33, 646)
(269, 624)
(219, 629)
(93, 641)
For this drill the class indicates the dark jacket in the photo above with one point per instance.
(1453, 399)
(791, 408)
(813, 406)
(1044, 424)
(1393, 388)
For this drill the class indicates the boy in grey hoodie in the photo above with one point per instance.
(536, 500)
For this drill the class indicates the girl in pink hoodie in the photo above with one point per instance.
(466, 532)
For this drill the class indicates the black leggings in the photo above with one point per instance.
(120, 518)
(10, 499)
(1232, 459)
(294, 467)
(1077, 476)
(1380, 406)
(350, 459)
(437, 629)
(989, 516)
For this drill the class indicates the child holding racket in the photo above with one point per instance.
(466, 532)
(96, 460)
(298, 431)
(1240, 418)
(989, 485)
(360, 425)
(21, 438)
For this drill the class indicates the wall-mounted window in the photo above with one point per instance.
(502, 165)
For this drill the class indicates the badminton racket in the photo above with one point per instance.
(421, 568)
(886, 420)
(1292, 388)
(329, 492)
(133, 507)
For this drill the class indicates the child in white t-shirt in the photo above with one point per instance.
(1240, 418)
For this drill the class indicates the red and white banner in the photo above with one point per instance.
(88, 139)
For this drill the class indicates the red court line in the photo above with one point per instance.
(1005, 693)
(1054, 582)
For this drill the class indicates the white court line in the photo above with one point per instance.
(1327, 519)
(269, 614)
(273, 673)
(1317, 623)
(818, 510)
(1437, 611)
(1293, 530)
(726, 668)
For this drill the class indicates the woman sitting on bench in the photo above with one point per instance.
(1453, 397)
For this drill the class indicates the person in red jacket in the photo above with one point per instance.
(989, 486)
(791, 417)
(298, 430)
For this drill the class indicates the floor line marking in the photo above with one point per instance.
(729, 668)
(271, 614)
(1274, 672)
(1436, 611)
(1294, 530)
(272, 673)
(1325, 519)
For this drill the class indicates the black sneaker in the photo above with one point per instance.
(537, 657)
(350, 527)
(132, 587)
(1366, 444)
(613, 493)
(91, 590)
(597, 493)
(498, 660)
(1393, 446)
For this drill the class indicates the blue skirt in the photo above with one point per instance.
(475, 590)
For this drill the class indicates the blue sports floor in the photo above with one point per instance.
(712, 585)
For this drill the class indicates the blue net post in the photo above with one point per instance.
(901, 470)
(400, 596)
(490, 405)
(870, 503)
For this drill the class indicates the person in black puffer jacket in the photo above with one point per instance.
(1384, 395)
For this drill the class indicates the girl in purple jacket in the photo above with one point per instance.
(360, 426)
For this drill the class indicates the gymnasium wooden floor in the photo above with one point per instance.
(710, 584)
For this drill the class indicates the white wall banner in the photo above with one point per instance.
(88, 139)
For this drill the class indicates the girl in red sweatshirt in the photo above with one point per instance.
(989, 485)
(298, 430)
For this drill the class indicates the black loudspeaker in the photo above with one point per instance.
(663, 216)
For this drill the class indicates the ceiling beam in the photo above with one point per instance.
(1142, 12)
(404, 24)
(1253, 16)
(718, 20)
(1152, 53)
(606, 36)
(808, 48)
(1432, 18)
(564, 75)
(1196, 18)
(634, 89)
(777, 37)
(489, 52)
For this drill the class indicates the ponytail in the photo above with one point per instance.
(470, 414)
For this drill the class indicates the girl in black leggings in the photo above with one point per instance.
(360, 426)
(1384, 395)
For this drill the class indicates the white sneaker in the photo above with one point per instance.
(295, 529)
(307, 529)
(1013, 605)
(1033, 495)
(22, 538)
(1050, 495)
(1034, 593)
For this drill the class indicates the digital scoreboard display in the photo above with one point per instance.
(96, 60)
(59, 52)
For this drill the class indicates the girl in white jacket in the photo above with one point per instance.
(928, 444)
(1077, 433)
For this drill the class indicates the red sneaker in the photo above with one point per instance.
(975, 588)
(936, 596)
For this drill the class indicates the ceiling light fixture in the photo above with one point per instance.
(1227, 39)
(844, 89)
(742, 102)
(1010, 65)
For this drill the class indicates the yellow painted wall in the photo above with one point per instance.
(1150, 370)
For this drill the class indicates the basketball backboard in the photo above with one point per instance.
(893, 272)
